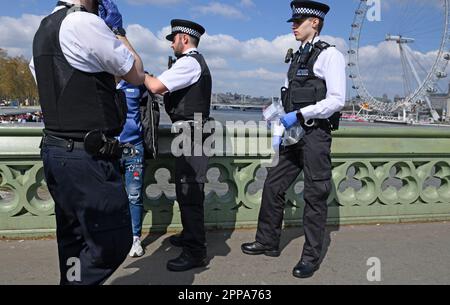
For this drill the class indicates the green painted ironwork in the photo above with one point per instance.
(379, 175)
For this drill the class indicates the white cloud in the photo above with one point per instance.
(382, 71)
(146, 41)
(255, 66)
(256, 74)
(219, 9)
(262, 74)
(217, 63)
(252, 66)
(259, 50)
(16, 34)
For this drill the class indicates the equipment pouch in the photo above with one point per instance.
(98, 145)
(301, 97)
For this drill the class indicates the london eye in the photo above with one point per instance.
(405, 54)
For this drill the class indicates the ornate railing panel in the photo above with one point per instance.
(379, 175)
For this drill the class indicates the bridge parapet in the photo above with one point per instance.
(379, 175)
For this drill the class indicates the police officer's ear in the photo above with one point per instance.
(194, 41)
(185, 39)
(317, 24)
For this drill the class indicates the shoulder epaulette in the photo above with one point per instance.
(322, 45)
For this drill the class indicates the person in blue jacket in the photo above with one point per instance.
(133, 160)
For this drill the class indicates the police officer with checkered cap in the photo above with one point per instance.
(302, 9)
(313, 95)
(186, 27)
(187, 89)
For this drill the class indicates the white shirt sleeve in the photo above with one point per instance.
(185, 72)
(90, 46)
(32, 69)
(330, 66)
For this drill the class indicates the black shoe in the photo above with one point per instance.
(185, 262)
(176, 240)
(256, 248)
(304, 270)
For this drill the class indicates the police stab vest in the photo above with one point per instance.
(73, 102)
(182, 104)
(305, 88)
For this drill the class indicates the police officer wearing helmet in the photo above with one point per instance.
(187, 87)
(313, 95)
(76, 56)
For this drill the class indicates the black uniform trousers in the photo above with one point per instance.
(190, 179)
(312, 154)
(93, 223)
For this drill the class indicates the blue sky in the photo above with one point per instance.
(246, 39)
(244, 20)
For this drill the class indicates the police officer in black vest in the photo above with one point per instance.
(76, 56)
(187, 87)
(313, 95)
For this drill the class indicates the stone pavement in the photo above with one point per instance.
(408, 253)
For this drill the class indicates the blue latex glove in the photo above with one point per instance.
(276, 142)
(289, 120)
(108, 11)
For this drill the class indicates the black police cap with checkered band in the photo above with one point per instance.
(187, 27)
(301, 9)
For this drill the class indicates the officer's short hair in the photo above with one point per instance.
(195, 41)
(320, 26)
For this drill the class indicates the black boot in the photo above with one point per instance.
(186, 262)
(304, 270)
(256, 248)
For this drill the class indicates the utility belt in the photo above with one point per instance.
(331, 124)
(317, 123)
(178, 126)
(95, 143)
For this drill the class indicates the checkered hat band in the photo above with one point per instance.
(308, 11)
(186, 30)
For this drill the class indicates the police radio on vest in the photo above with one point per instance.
(289, 56)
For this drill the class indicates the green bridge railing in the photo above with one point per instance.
(379, 175)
